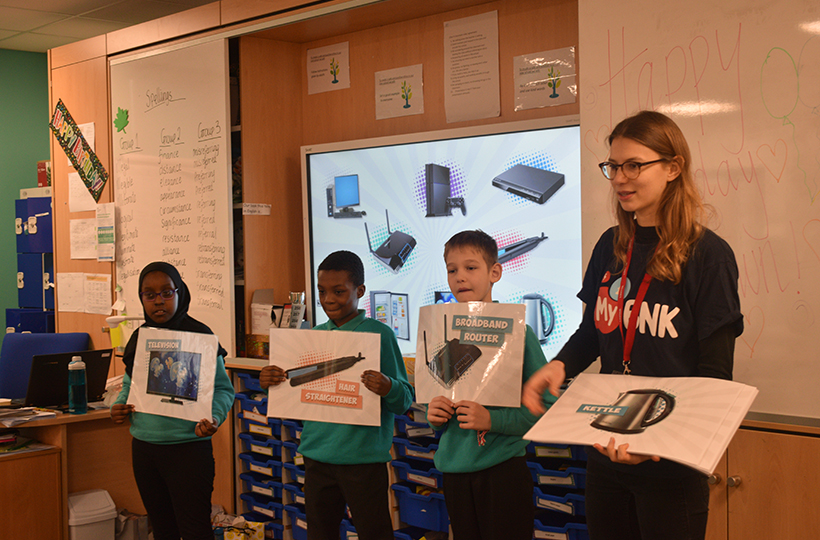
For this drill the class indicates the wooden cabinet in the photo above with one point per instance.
(30, 506)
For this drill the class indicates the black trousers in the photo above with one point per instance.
(639, 507)
(175, 482)
(493, 504)
(363, 487)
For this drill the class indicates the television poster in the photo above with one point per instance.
(174, 374)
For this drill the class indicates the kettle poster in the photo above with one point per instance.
(323, 373)
(472, 351)
(690, 420)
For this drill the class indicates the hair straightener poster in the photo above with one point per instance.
(472, 351)
(323, 376)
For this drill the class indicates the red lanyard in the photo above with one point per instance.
(632, 325)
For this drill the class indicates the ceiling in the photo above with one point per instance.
(39, 25)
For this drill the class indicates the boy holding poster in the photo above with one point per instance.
(487, 484)
(347, 463)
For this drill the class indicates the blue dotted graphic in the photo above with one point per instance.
(539, 160)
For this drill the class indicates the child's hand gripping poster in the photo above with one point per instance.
(472, 351)
(323, 372)
(174, 373)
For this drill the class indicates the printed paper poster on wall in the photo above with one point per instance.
(545, 78)
(328, 68)
(472, 351)
(323, 376)
(174, 373)
(399, 92)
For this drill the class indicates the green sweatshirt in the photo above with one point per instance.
(157, 429)
(458, 449)
(343, 444)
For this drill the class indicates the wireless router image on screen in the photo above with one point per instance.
(537, 185)
(394, 251)
(452, 360)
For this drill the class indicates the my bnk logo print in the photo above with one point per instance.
(657, 319)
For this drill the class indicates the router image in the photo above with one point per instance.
(395, 250)
(508, 253)
(536, 185)
(452, 360)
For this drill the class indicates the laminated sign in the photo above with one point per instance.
(174, 373)
(472, 351)
(323, 373)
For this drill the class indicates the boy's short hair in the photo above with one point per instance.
(345, 261)
(477, 240)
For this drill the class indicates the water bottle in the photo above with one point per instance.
(77, 396)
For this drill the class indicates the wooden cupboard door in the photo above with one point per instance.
(779, 491)
(31, 505)
(717, 528)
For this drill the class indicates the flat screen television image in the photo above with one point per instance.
(174, 375)
(519, 182)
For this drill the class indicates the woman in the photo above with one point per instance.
(172, 458)
(678, 269)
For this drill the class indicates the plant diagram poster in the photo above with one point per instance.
(690, 420)
(472, 351)
(323, 376)
(174, 373)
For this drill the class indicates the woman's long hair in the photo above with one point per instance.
(680, 211)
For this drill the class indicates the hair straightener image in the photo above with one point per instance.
(508, 253)
(643, 409)
(395, 250)
(306, 374)
(452, 360)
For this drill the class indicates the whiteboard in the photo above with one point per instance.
(172, 185)
(742, 79)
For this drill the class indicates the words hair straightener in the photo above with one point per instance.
(306, 374)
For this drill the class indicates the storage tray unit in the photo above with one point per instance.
(418, 472)
(425, 511)
(418, 448)
(556, 526)
(569, 474)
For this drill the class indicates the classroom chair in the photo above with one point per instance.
(18, 349)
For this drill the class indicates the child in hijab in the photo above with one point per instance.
(172, 458)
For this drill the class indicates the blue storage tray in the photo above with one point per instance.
(269, 427)
(554, 525)
(297, 472)
(568, 474)
(347, 531)
(293, 428)
(292, 454)
(297, 495)
(410, 428)
(425, 511)
(418, 471)
(298, 525)
(263, 505)
(558, 499)
(259, 444)
(262, 484)
(418, 448)
(250, 382)
(248, 403)
(409, 533)
(258, 464)
(273, 527)
(575, 452)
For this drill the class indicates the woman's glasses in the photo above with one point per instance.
(167, 294)
(631, 169)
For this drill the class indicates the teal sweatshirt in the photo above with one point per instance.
(458, 449)
(343, 444)
(157, 429)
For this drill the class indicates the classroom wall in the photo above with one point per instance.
(24, 141)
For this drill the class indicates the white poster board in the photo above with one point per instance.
(690, 420)
(174, 374)
(472, 351)
(323, 371)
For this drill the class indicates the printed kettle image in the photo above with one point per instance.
(641, 409)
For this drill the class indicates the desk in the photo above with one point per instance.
(93, 453)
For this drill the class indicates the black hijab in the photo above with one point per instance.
(180, 321)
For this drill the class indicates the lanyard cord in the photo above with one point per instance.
(632, 325)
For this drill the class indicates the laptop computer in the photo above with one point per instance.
(48, 381)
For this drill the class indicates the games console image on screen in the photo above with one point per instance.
(537, 185)
(174, 375)
(437, 190)
(395, 250)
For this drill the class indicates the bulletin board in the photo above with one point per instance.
(743, 82)
(171, 139)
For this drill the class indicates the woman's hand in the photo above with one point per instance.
(205, 428)
(120, 411)
(439, 411)
(376, 382)
(472, 415)
(550, 376)
(620, 454)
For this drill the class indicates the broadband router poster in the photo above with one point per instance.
(472, 351)
(395, 201)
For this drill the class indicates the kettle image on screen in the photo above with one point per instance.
(539, 316)
(643, 409)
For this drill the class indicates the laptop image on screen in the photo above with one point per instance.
(48, 382)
